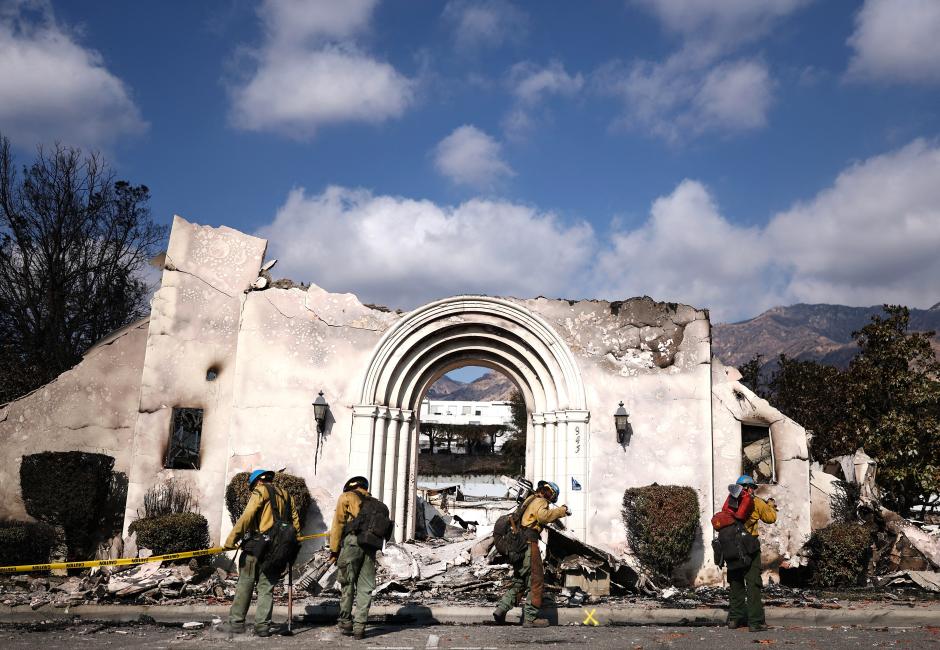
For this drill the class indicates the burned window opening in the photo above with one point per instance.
(757, 456)
(185, 437)
(212, 374)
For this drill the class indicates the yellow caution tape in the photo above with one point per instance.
(124, 561)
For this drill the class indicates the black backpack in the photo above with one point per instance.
(372, 525)
(282, 547)
(509, 537)
(735, 546)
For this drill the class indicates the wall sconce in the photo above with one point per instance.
(320, 409)
(621, 424)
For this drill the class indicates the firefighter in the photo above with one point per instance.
(527, 574)
(745, 606)
(356, 563)
(257, 519)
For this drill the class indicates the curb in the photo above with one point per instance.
(420, 614)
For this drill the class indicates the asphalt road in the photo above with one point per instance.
(466, 637)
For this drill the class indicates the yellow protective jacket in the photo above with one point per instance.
(538, 513)
(763, 512)
(347, 507)
(259, 515)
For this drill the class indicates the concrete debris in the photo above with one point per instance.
(926, 580)
(151, 583)
(193, 625)
(927, 544)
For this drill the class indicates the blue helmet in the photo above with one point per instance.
(258, 473)
(554, 488)
(744, 479)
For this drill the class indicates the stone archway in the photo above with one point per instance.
(444, 335)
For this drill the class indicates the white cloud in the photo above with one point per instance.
(468, 156)
(869, 238)
(480, 24)
(687, 252)
(311, 71)
(897, 41)
(530, 85)
(52, 88)
(872, 237)
(699, 87)
(734, 95)
(680, 97)
(718, 21)
(405, 252)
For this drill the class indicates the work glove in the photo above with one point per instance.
(567, 510)
(333, 557)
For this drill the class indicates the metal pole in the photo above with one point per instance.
(290, 599)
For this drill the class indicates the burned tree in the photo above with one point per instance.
(73, 247)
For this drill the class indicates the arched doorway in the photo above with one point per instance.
(450, 333)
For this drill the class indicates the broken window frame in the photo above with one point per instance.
(773, 457)
(184, 447)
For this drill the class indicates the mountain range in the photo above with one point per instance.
(490, 387)
(807, 332)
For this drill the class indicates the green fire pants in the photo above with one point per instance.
(745, 601)
(522, 586)
(357, 579)
(249, 575)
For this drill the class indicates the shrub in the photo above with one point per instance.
(167, 498)
(68, 489)
(661, 522)
(237, 494)
(844, 501)
(840, 554)
(172, 533)
(24, 542)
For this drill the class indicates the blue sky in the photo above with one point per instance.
(732, 154)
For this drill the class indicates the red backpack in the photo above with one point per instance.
(733, 510)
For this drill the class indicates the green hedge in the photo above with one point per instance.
(661, 522)
(840, 554)
(69, 489)
(237, 494)
(25, 542)
(173, 533)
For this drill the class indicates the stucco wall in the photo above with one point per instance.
(90, 408)
(734, 403)
(292, 344)
(655, 358)
(194, 324)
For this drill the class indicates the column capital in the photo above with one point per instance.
(364, 411)
(538, 418)
(574, 415)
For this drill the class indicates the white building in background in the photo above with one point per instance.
(485, 413)
(464, 413)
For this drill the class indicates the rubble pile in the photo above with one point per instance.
(145, 584)
(904, 553)
(466, 569)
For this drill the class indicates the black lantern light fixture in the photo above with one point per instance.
(320, 409)
(621, 424)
